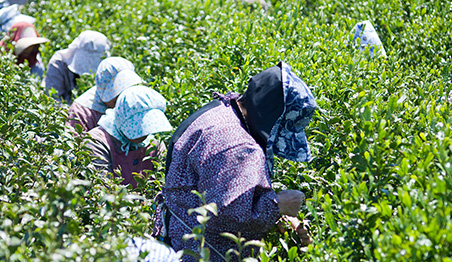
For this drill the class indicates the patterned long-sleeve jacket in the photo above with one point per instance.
(216, 155)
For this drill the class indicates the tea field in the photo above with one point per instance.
(379, 187)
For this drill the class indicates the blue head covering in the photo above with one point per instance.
(287, 138)
(10, 14)
(106, 74)
(369, 37)
(138, 113)
(108, 85)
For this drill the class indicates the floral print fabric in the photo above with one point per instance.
(368, 36)
(216, 155)
(107, 86)
(287, 138)
(138, 112)
(106, 74)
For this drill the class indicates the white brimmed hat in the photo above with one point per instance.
(90, 47)
(26, 42)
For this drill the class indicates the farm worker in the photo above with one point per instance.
(125, 132)
(113, 75)
(81, 57)
(226, 150)
(156, 251)
(26, 42)
(369, 37)
(10, 14)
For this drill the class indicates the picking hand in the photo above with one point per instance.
(300, 228)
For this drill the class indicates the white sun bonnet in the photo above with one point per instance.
(88, 50)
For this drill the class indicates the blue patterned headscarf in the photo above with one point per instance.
(369, 37)
(138, 113)
(108, 85)
(287, 138)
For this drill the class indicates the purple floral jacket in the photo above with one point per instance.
(217, 156)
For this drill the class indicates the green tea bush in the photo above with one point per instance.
(54, 204)
(379, 185)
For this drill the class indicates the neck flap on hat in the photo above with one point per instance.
(287, 138)
(107, 122)
(89, 99)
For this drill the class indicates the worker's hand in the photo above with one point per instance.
(299, 227)
(289, 202)
(303, 234)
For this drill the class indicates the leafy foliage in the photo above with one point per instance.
(378, 188)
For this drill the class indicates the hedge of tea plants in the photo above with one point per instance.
(378, 189)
